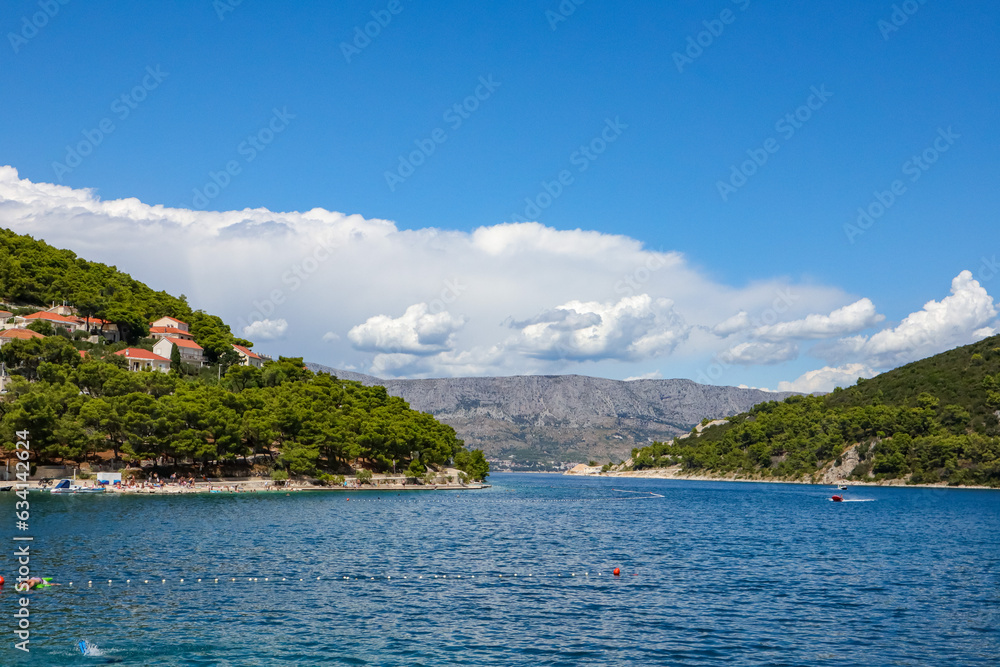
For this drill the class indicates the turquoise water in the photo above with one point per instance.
(711, 574)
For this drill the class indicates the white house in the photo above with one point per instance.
(170, 322)
(139, 359)
(191, 352)
(248, 357)
(169, 332)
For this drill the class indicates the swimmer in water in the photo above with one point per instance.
(38, 582)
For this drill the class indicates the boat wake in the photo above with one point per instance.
(855, 500)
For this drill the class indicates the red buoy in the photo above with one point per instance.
(616, 572)
(1, 580)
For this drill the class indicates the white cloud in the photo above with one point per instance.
(266, 329)
(958, 319)
(755, 353)
(738, 322)
(652, 375)
(826, 378)
(634, 328)
(418, 331)
(298, 276)
(847, 320)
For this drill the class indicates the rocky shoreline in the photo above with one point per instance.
(244, 485)
(675, 473)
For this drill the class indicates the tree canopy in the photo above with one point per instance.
(935, 420)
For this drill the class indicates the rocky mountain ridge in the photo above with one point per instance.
(546, 420)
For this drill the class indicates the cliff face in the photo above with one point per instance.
(565, 418)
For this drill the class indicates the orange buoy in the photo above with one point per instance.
(616, 572)
(1, 580)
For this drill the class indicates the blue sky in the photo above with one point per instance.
(554, 86)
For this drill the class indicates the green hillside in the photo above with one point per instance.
(77, 399)
(931, 421)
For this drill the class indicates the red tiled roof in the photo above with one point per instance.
(22, 334)
(52, 317)
(139, 353)
(243, 350)
(169, 330)
(180, 342)
(6, 313)
(94, 321)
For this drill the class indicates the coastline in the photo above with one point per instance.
(233, 487)
(673, 473)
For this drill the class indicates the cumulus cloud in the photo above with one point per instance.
(418, 331)
(266, 329)
(828, 377)
(652, 375)
(847, 320)
(738, 322)
(634, 328)
(753, 353)
(958, 319)
(502, 299)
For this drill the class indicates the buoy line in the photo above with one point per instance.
(651, 494)
(488, 501)
(341, 578)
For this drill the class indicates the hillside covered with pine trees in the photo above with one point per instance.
(936, 420)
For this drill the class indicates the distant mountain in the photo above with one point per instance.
(541, 419)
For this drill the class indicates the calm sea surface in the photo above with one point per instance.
(711, 574)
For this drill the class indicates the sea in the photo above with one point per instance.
(536, 570)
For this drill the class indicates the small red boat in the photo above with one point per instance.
(838, 499)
